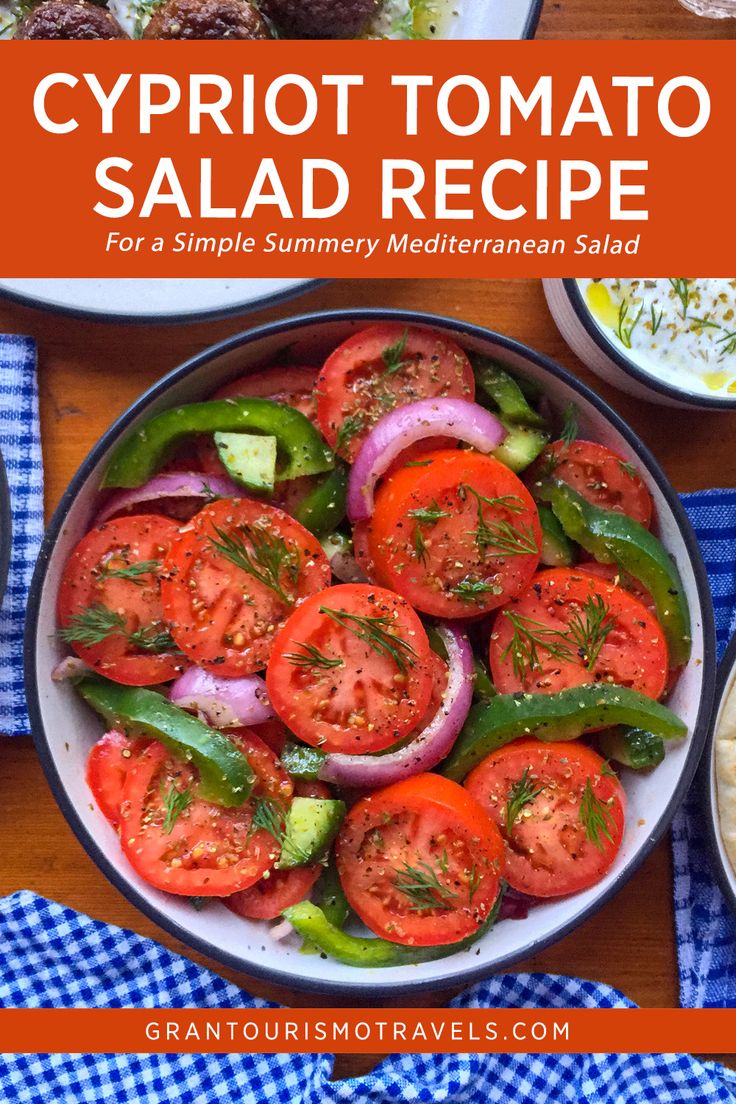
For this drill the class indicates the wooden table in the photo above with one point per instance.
(89, 373)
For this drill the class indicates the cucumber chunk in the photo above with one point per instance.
(632, 747)
(311, 825)
(521, 447)
(249, 459)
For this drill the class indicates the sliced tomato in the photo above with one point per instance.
(205, 850)
(233, 576)
(457, 536)
(383, 367)
(560, 811)
(570, 628)
(104, 580)
(614, 574)
(420, 861)
(276, 890)
(598, 474)
(272, 780)
(107, 766)
(351, 669)
(292, 386)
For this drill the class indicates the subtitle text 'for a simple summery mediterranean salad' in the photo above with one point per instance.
(372, 640)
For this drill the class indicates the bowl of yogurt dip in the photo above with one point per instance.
(671, 341)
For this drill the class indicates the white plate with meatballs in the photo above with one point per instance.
(257, 19)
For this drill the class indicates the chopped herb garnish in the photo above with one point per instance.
(629, 469)
(626, 325)
(351, 427)
(656, 319)
(393, 356)
(269, 816)
(520, 794)
(132, 571)
(474, 880)
(423, 887)
(311, 657)
(681, 288)
(96, 623)
(527, 638)
(266, 558)
(505, 538)
(596, 817)
(175, 802)
(378, 634)
(427, 515)
(472, 590)
(588, 628)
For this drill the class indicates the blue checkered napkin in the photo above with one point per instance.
(56, 957)
(20, 441)
(706, 929)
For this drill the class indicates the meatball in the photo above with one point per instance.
(69, 19)
(320, 18)
(206, 19)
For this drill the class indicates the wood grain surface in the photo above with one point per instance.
(89, 373)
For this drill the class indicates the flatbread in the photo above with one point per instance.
(725, 751)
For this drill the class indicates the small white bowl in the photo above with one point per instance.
(64, 729)
(591, 344)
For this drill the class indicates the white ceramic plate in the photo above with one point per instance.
(64, 729)
(153, 300)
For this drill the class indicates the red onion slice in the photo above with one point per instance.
(70, 667)
(223, 702)
(394, 432)
(432, 744)
(171, 485)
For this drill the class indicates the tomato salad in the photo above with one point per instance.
(374, 640)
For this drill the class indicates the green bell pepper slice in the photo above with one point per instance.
(562, 716)
(323, 509)
(483, 687)
(300, 449)
(332, 901)
(302, 762)
(370, 953)
(617, 539)
(504, 392)
(225, 774)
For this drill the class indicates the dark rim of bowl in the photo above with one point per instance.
(628, 366)
(458, 976)
(6, 528)
(263, 302)
(726, 876)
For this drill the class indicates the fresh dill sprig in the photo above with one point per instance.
(629, 469)
(96, 623)
(596, 817)
(472, 590)
(175, 803)
(92, 625)
(393, 356)
(312, 657)
(502, 536)
(269, 816)
(570, 429)
(474, 879)
(265, 559)
(681, 288)
(422, 885)
(656, 319)
(426, 515)
(588, 628)
(351, 427)
(527, 638)
(520, 795)
(378, 634)
(626, 325)
(132, 571)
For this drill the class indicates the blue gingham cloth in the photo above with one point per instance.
(20, 441)
(54, 956)
(706, 928)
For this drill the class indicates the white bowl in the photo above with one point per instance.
(64, 729)
(724, 870)
(597, 351)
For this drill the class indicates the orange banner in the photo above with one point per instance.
(369, 1031)
(460, 159)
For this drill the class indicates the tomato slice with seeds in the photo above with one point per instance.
(180, 843)
(108, 764)
(383, 367)
(560, 811)
(614, 574)
(457, 536)
(293, 386)
(420, 861)
(351, 670)
(598, 474)
(233, 576)
(570, 628)
(109, 604)
(276, 890)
